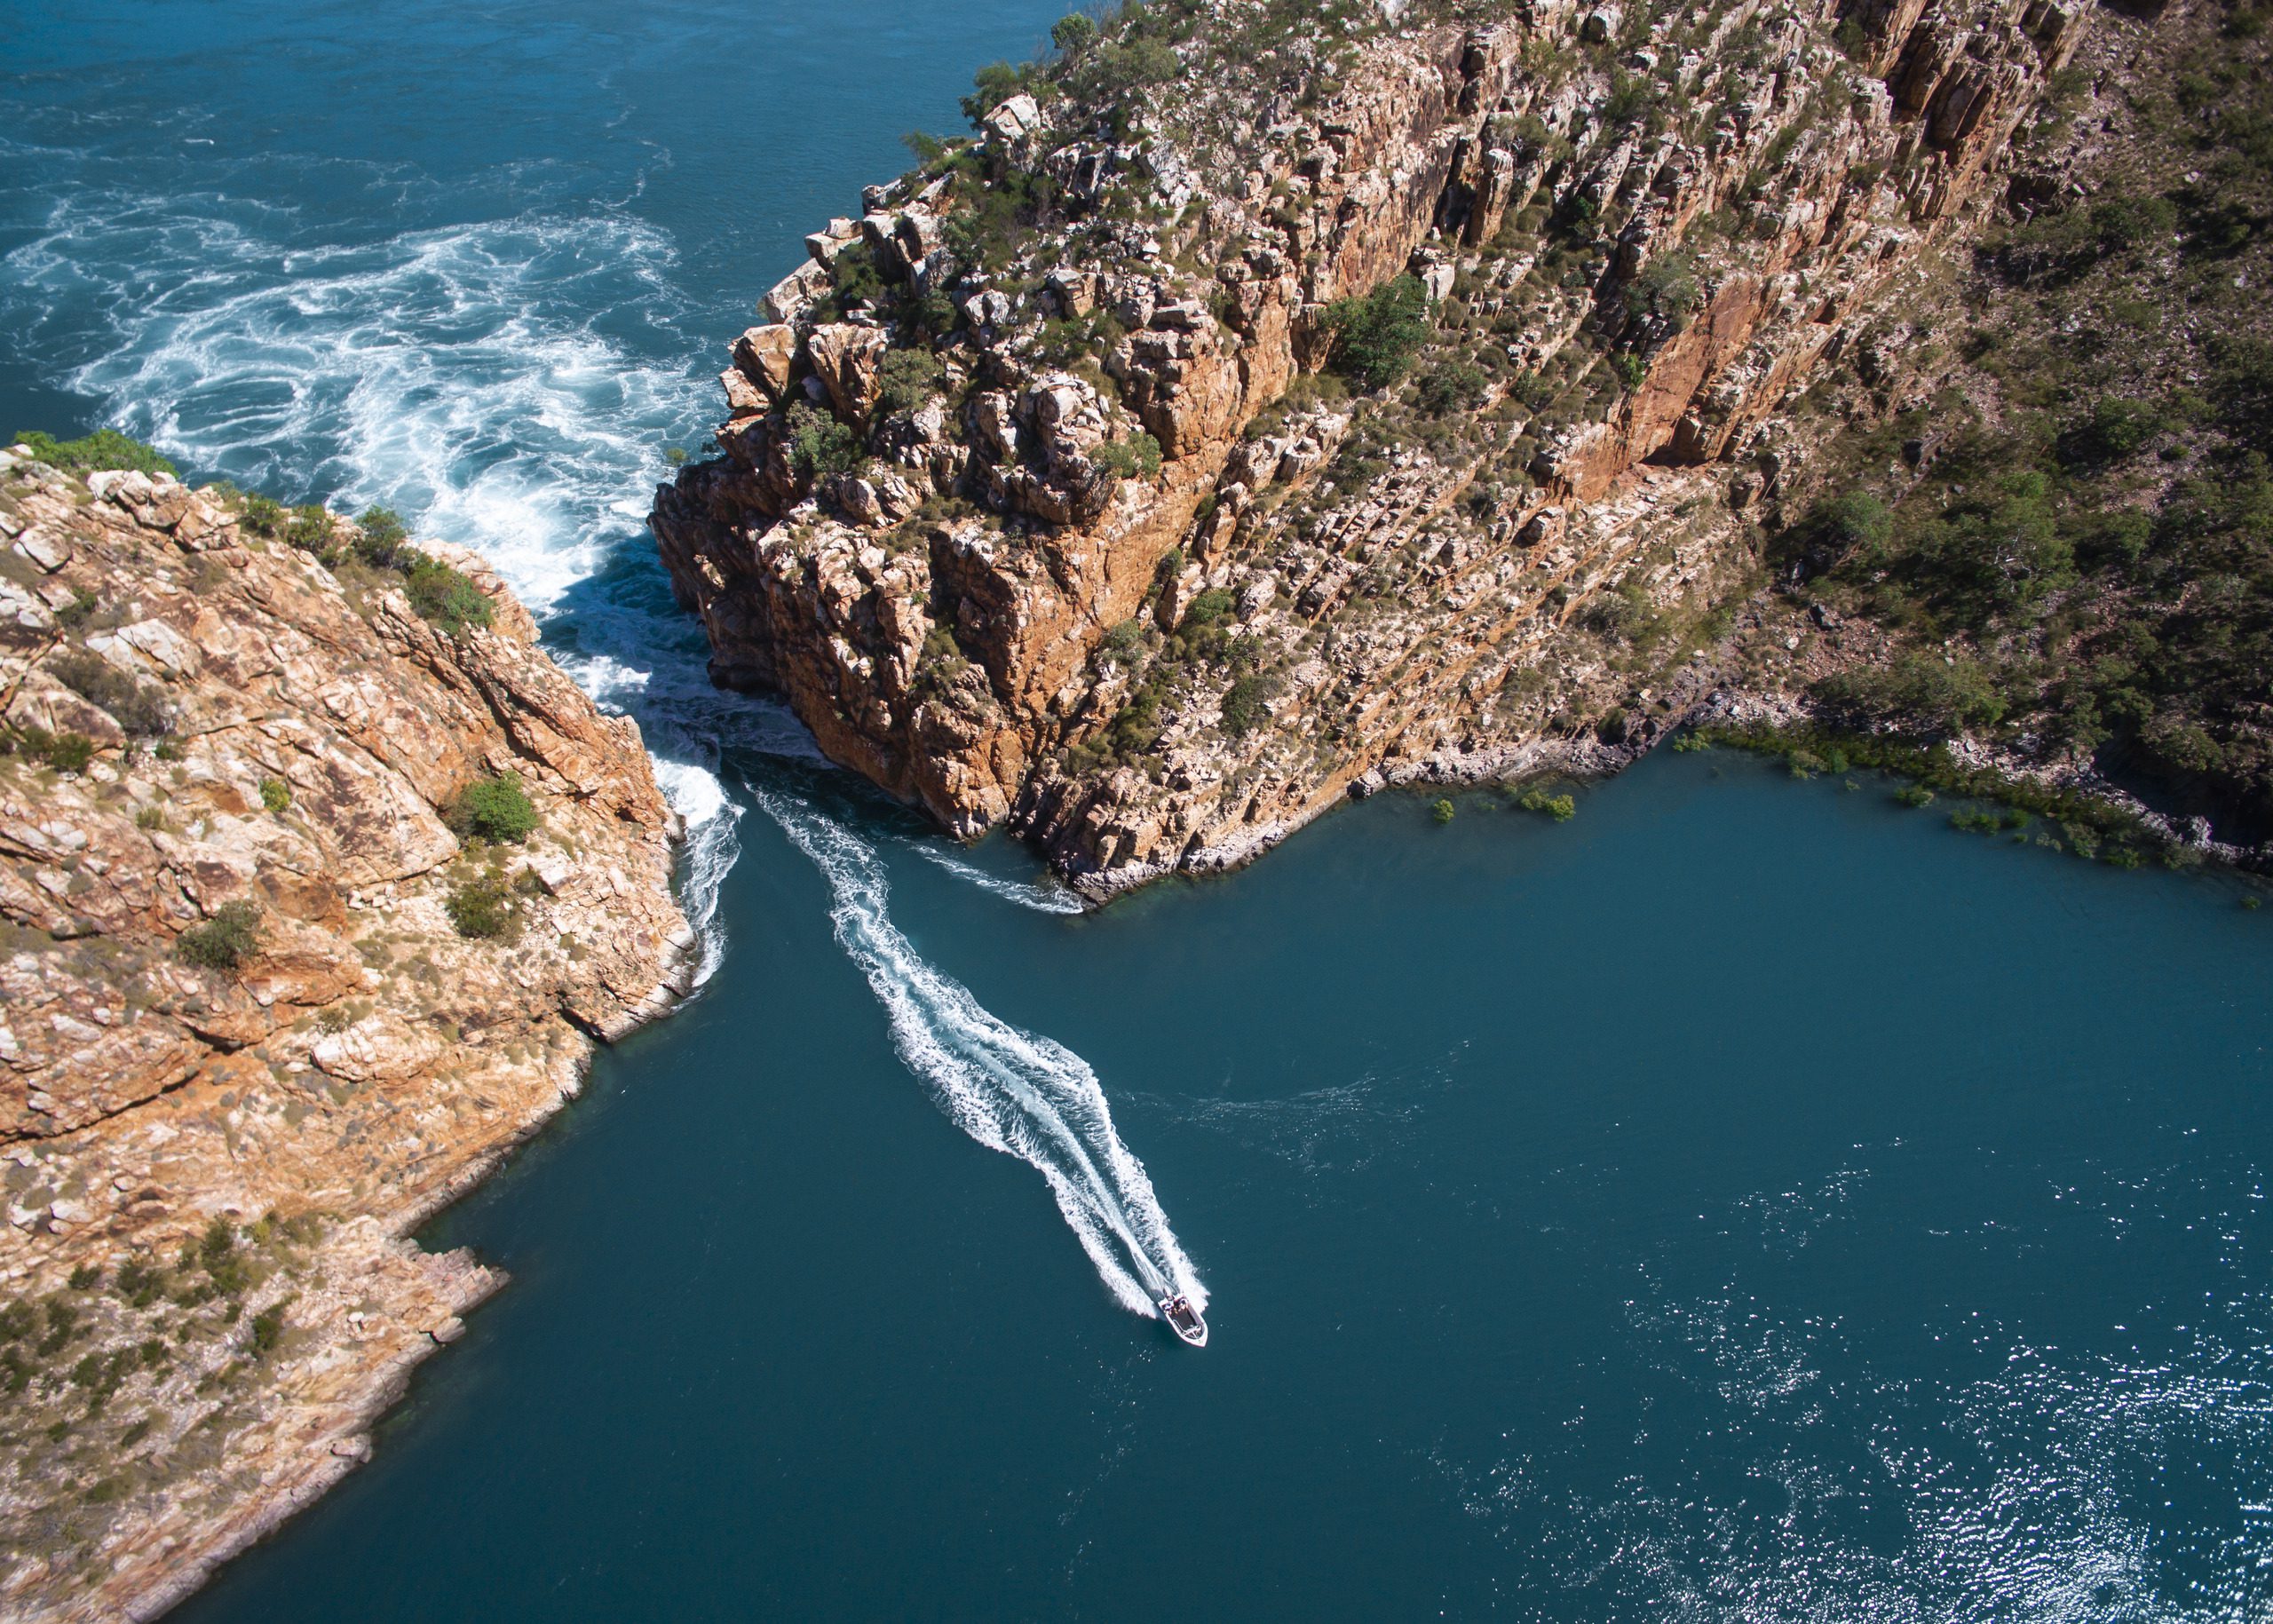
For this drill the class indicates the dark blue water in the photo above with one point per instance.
(1751, 1200)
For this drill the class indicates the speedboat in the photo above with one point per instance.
(1184, 1320)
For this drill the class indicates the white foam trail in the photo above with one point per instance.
(1013, 1092)
(712, 847)
(1041, 899)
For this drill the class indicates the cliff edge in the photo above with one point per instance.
(319, 881)
(1253, 414)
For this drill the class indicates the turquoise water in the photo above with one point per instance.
(1751, 1197)
(1751, 1200)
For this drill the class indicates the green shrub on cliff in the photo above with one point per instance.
(1665, 287)
(495, 808)
(1935, 695)
(487, 906)
(380, 536)
(481, 909)
(854, 279)
(104, 448)
(908, 377)
(65, 752)
(1245, 706)
(1073, 34)
(991, 227)
(1124, 643)
(1208, 609)
(819, 444)
(1376, 337)
(2113, 430)
(1454, 386)
(218, 1253)
(994, 84)
(267, 1331)
(309, 528)
(1136, 457)
(261, 515)
(222, 942)
(929, 151)
(445, 596)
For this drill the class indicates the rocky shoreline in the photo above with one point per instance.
(1086, 530)
(319, 882)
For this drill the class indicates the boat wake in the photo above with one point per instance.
(1041, 899)
(1011, 1091)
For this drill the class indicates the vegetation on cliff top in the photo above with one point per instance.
(124, 1386)
(375, 551)
(2074, 546)
(1119, 178)
(378, 543)
(1106, 58)
(104, 448)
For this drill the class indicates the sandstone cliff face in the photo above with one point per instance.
(974, 614)
(211, 1170)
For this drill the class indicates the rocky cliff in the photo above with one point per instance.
(271, 996)
(1037, 501)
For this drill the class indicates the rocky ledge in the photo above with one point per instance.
(276, 986)
(1081, 482)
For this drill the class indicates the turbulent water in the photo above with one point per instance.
(320, 278)
(479, 378)
(1751, 1201)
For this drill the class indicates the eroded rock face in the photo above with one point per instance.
(1715, 267)
(267, 734)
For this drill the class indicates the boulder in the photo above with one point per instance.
(993, 416)
(766, 356)
(1075, 291)
(45, 548)
(796, 293)
(743, 396)
(825, 246)
(846, 358)
(1010, 124)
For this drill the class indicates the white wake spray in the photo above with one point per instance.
(1041, 899)
(1013, 1092)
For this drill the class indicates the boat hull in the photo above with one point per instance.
(1191, 1329)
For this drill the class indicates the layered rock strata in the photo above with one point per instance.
(206, 1290)
(973, 612)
